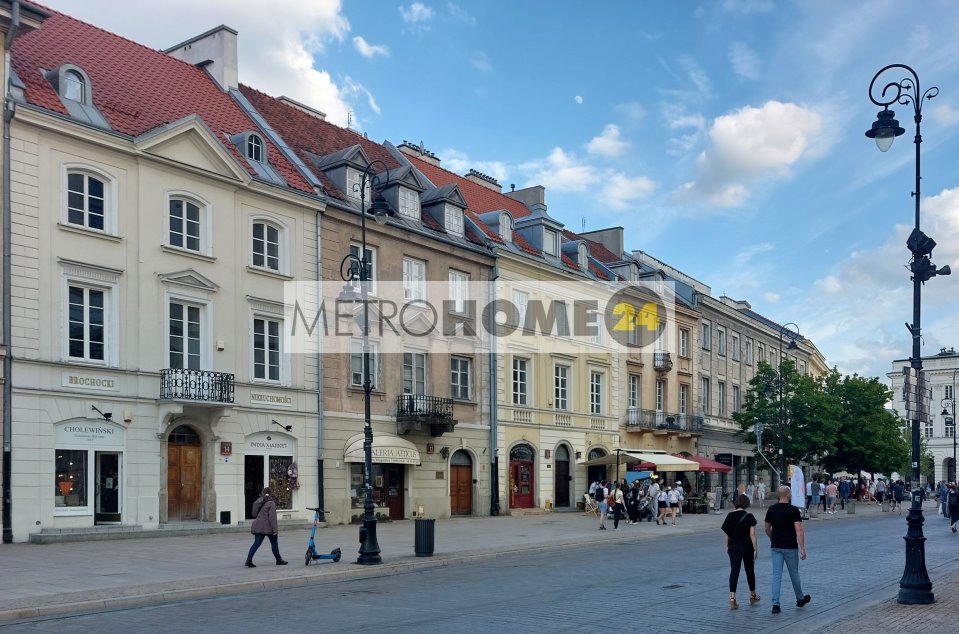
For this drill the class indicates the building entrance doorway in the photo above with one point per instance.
(107, 490)
(561, 478)
(596, 473)
(461, 484)
(183, 474)
(521, 482)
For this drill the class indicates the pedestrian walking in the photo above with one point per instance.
(739, 539)
(761, 492)
(632, 503)
(750, 491)
(787, 543)
(618, 505)
(672, 496)
(661, 506)
(832, 491)
(600, 495)
(815, 495)
(264, 525)
(681, 492)
(843, 493)
(942, 492)
(953, 502)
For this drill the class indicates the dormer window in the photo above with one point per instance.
(254, 148)
(506, 228)
(353, 179)
(454, 220)
(409, 203)
(582, 257)
(550, 242)
(74, 86)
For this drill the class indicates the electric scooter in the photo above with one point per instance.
(311, 554)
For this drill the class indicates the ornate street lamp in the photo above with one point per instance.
(359, 268)
(915, 586)
(793, 335)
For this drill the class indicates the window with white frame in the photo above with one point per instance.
(550, 242)
(948, 392)
(705, 335)
(254, 148)
(520, 381)
(734, 345)
(353, 179)
(185, 331)
(721, 341)
(371, 260)
(561, 387)
(266, 349)
(562, 319)
(459, 290)
(409, 203)
(927, 431)
(683, 398)
(414, 373)
(506, 228)
(950, 431)
(704, 395)
(684, 342)
(772, 357)
(749, 351)
(596, 392)
(721, 397)
(737, 398)
(521, 302)
(460, 382)
(760, 352)
(582, 257)
(185, 224)
(802, 368)
(73, 86)
(356, 363)
(414, 280)
(454, 219)
(634, 390)
(660, 395)
(86, 323)
(86, 200)
(266, 245)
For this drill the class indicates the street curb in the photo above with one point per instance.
(154, 595)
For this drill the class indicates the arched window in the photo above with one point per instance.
(254, 148)
(562, 454)
(596, 453)
(266, 245)
(506, 228)
(73, 86)
(461, 458)
(185, 224)
(522, 453)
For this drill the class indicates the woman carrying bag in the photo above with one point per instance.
(739, 539)
(264, 525)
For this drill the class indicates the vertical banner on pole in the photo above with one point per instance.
(797, 482)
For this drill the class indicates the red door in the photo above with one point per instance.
(393, 476)
(521, 489)
(461, 489)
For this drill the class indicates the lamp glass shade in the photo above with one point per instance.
(884, 142)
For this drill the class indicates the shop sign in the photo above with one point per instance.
(270, 445)
(90, 382)
(396, 455)
(87, 433)
(276, 400)
(725, 458)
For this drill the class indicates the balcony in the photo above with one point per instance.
(415, 410)
(640, 419)
(201, 386)
(662, 362)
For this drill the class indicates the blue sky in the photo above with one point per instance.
(725, 136)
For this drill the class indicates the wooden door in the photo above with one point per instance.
(521, 484)
(183, 482)
(461, 489)
(393, 479)
(561, 487)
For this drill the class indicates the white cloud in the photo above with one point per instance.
(417, 15)
(751, 144)
(691, 125)
(459, 162)
(944, 114)
(351, 88)
(561, 172)
(459, 13)
(744, 60)
(369, 50)
(277, 56)
(748, 6)
(620, 191)
(633, 111)
(578, 99)
(480, 62)
(608, 143)
(772, 298)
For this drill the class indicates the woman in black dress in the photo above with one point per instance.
(632, 503)
(739, 538)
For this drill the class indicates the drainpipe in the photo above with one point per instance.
(320, 416)
(494, 449)
(7, 356)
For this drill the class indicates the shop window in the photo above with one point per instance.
(280, 482)
(71, 476)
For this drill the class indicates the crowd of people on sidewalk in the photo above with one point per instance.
(637, 502)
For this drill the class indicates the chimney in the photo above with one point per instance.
(214, 51)
(486, 181)
(313, 112)
(419, 151)
(533, 197)
(611, 238)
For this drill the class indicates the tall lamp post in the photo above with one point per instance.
(951, 422)
(359, 268)
(793, 335)
(914, 586)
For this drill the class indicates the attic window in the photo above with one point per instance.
(254, 148)
(550, 242)
(582, 257)
(454, 220)
(409, 203)
(506, 228)
(74, 87)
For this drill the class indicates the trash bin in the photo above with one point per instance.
(425, 532)
(225, 517)
(851, 507)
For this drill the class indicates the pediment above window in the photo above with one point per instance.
(191, 279)
(353, 156)
(190, 141)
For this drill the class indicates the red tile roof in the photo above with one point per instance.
(136, 89)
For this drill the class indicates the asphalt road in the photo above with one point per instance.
(660, 582)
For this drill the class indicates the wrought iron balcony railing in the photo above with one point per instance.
(656, 419)
(196, 385)
(662, 361)
(413, 410)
